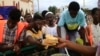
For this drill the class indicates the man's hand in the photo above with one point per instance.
(61, 43)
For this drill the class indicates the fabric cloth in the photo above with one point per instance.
(73, 36)
(98, 50)
(39, 34)
(96, 33)
(72, 23)
(50, 30)
(10, 34)
(78, 20)
(23, 50)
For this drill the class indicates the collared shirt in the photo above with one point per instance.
(9, 35)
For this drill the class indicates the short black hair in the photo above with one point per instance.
(74, 6)
(27, 15)
(93, 11)
(14, 14)
(37, 17)
(43, 13)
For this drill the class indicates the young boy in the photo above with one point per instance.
(34, 30)
(12, 32)
(95, 26)
(36, 37)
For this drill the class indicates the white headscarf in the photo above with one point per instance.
(48, 13)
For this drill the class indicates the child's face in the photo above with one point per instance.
(50, 18)
(28, 18)
(96, 16)
(37, 25)
(11, 23)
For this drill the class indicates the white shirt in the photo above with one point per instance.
(50, 30)
(98, 50)
(96, 33)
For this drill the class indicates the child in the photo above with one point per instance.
(95, 26)
(89, 30)
(34, 33)
(51, 27)
(35, 36)
(28, 18)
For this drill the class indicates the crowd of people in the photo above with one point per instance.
(19, 33)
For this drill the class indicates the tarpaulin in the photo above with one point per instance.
(4, 11)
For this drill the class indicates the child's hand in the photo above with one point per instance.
(16, 49)
(10, 45)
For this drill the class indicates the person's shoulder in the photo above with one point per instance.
(65, 11)
(81, 12)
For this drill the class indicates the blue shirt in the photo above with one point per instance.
(65, 18)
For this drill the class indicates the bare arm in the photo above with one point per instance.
(5, 47)
(59, 31)
(33, 41)
(86, 50)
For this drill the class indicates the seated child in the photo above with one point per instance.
(34, 34)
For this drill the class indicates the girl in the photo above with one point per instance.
(51, 27)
